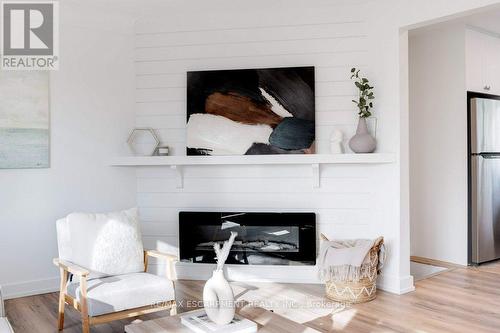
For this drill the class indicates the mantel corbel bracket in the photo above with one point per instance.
(178, 176)
(316, 175)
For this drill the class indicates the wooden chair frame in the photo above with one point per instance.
(65, 268)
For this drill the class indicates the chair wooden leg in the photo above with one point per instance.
(85, 324)
(84, 306)
(62, 291)
(173, 309)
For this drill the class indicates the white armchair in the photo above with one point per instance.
(104, 253)
(4, 323)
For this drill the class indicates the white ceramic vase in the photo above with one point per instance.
(362, 142)
(218, 299)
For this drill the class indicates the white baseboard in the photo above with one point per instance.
(29, 288)
(280, 274)
(395, 284)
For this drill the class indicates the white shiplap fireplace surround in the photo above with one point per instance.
(356, 197)
(344, 204)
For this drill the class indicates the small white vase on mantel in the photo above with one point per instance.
(218, 296)
(362, 141)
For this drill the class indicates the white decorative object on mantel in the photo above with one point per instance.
(336, 139)
(150, 145)
(162, 151)
(218, 297)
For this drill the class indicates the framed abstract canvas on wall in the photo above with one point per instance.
(251, 111)
(24, 119)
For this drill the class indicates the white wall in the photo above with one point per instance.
(91, 114)
(354, 201)
(438, 143)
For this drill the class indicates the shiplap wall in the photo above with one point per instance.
(349, 202)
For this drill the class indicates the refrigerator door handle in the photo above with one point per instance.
(490, 157)
(486, 155)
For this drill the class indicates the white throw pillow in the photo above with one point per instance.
(106, 244)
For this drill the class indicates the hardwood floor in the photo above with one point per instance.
(458, 300)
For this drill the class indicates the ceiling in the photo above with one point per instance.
(489, 21)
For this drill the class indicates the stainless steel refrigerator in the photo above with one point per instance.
(484, 179)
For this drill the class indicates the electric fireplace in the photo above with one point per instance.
(263, 238)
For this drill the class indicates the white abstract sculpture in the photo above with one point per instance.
(336, 142)
(218, 297)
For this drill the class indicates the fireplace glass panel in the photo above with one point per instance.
(263, 238)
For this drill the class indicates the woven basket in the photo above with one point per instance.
(360, 291)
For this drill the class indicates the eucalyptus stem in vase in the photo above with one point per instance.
(362, 141)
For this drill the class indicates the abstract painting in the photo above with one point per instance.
(24, 119)
(251, 111)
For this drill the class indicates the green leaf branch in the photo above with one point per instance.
(366, 97)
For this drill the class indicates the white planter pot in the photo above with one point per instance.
(362, 142)
(218, 299)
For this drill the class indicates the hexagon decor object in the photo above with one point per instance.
(148, 144)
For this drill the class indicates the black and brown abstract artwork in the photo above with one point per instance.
(251, 111)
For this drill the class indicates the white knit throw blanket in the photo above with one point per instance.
(345, 260)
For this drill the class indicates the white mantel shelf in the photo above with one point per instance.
(315, 160)
(376, 158)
